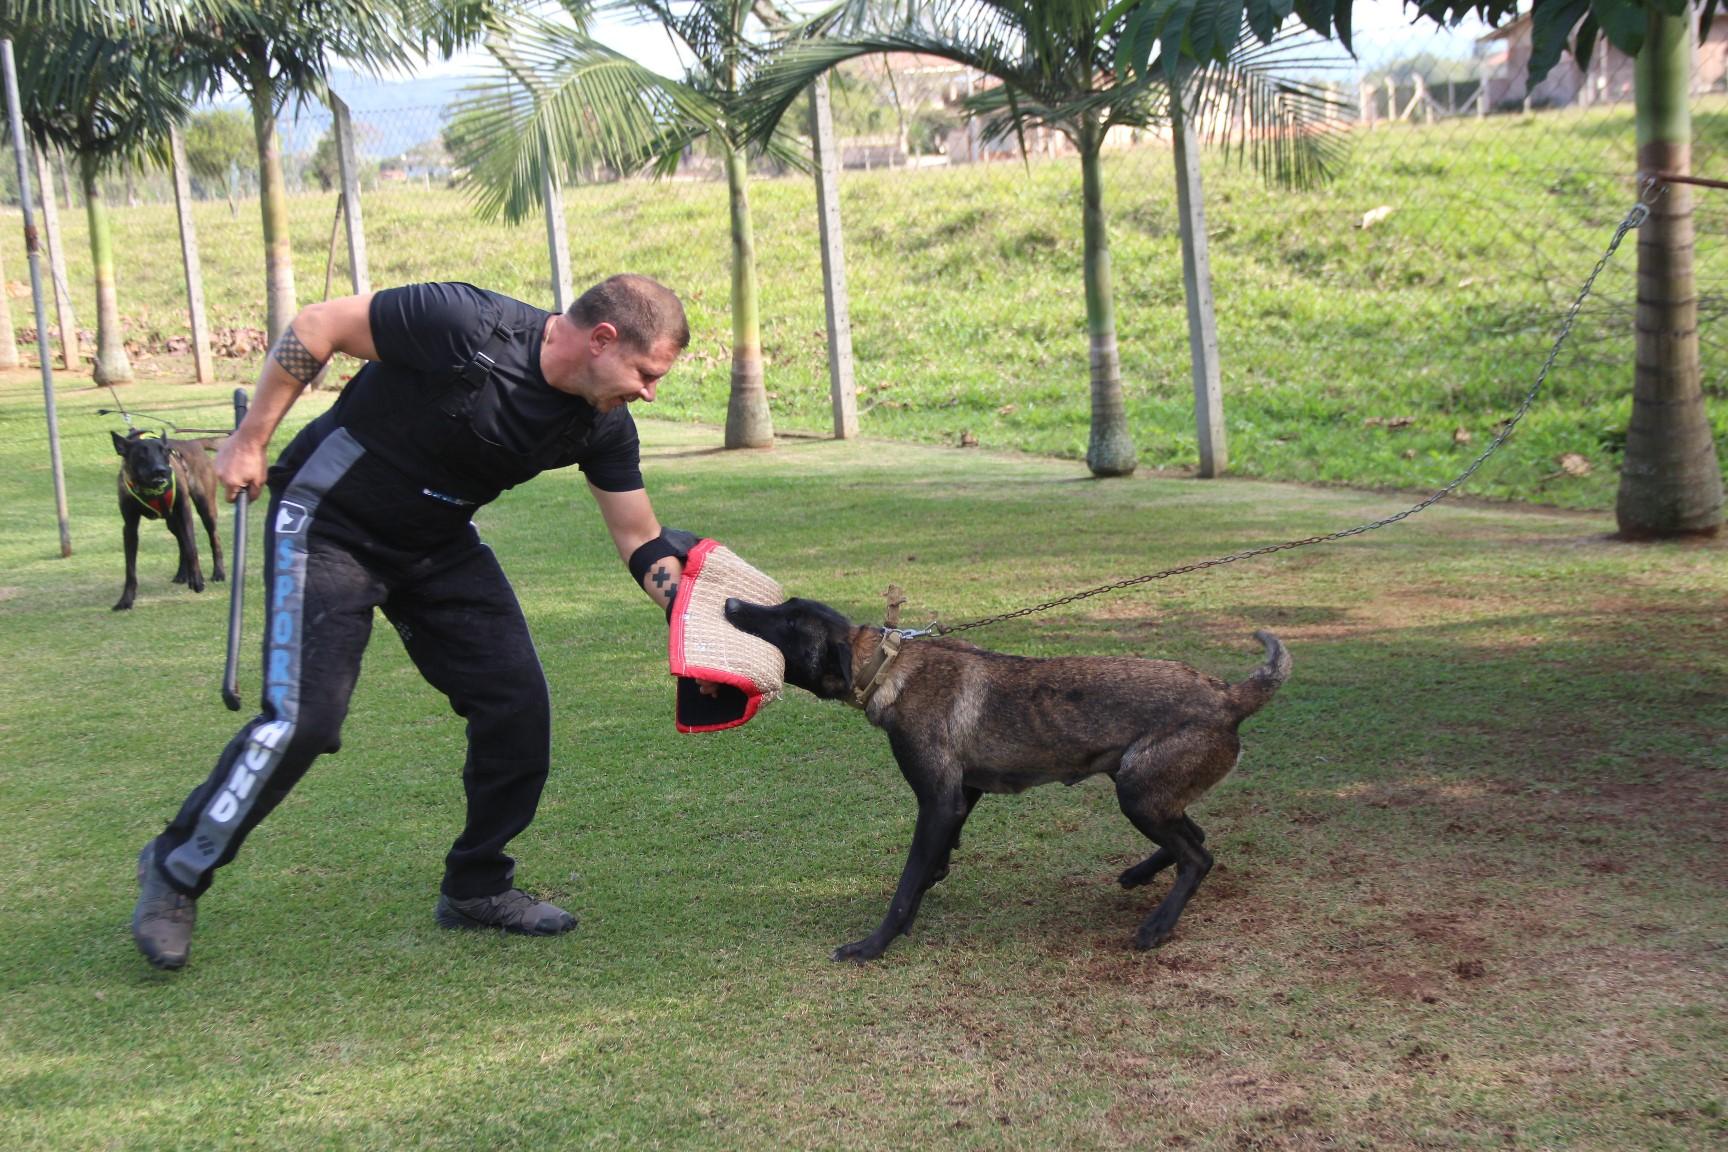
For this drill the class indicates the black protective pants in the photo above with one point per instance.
(463, 629)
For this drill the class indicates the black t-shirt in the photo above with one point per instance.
(439, 442)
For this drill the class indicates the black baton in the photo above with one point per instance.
(237, 578)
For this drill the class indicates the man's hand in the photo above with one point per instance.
(630, 519)
(240, 464)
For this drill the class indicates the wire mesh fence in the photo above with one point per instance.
(1437, 260)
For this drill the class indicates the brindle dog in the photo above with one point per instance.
(162, 479)
(963, 721)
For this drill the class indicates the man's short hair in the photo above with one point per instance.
(643, 310)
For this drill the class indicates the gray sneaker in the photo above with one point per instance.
(512, 911)
(162, 922)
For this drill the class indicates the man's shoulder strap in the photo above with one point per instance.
(468, 378)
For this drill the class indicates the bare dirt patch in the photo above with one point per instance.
(1670, 796)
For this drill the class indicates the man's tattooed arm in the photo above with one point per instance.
(665, 583)
(295, 359)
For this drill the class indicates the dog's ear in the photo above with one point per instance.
(837, 670)
(119, 443)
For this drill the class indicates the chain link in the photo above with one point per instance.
(1634, 218)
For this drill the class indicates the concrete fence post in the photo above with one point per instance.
(57, 264)
(201, 362)
(557, 241)
(348, 166)
(842, 388)
(1197, 288)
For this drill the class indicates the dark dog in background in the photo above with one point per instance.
(163, 479)
(963, 721)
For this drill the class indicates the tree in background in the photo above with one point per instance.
(217, 142)
(274, 50)
(1671, 475)
(1055, 63)
(859, 107)
(325, 166)
(563, 103)
(109, 101)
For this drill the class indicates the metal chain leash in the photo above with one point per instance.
(1640, 211)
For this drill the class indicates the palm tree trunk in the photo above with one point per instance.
(112, 366)
(1111, 449)
(273, 202)
(748, 424)
(1670, 482)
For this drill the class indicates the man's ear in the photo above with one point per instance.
(837, 670)
(602, 336)
(119, 443)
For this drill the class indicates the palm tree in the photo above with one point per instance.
(1670, 478)
(1671, 475)
(272, 50)
(109, 100)
(566, 104)
(1056, 64)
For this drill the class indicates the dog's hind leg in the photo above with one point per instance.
(1192, 864)
(1157, 862)
(207, 513)
(1154, 786)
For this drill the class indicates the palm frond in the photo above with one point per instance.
(1047, 54)
(1267, 103)
(570, 106)
(110, 99)
(112, 18)
(800, 62)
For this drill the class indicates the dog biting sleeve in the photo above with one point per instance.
(705, 646)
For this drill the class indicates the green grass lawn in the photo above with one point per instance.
(1470, 876)
(1382, 356)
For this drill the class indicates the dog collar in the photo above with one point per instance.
(867, 683)
(158, 503)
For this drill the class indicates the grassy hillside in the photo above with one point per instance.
(1364, 356)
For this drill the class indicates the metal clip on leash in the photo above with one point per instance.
(1651, 188)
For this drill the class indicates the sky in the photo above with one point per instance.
(1382, 28)
(411, 104)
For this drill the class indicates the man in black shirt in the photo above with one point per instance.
(466, 393)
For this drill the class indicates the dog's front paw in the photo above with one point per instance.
(1153, 936)
(124, 605)
(196, 583)
(859, 951)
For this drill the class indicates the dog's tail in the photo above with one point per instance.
(1249, 696)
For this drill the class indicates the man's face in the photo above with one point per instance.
(622, 374)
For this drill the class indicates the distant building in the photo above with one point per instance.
(1505, 58)
(918, 82)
